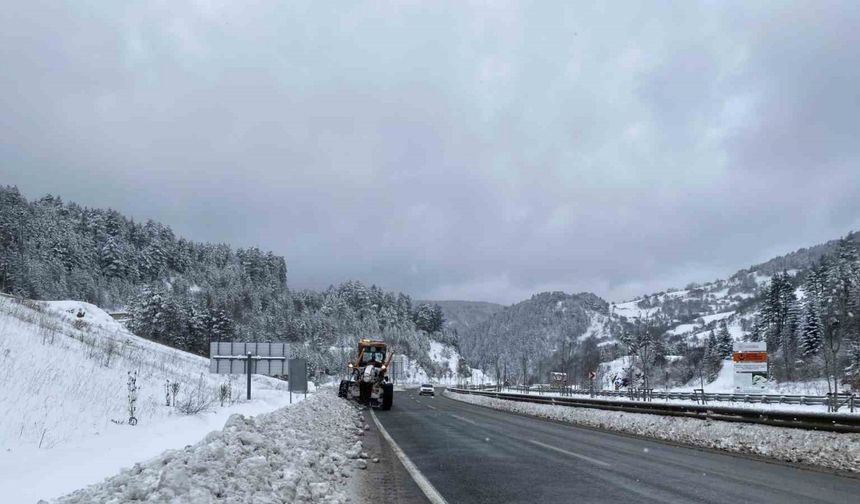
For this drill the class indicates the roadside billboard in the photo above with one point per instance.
(231, 357)
(750, 367)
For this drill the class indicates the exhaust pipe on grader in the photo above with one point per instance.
(368, 376)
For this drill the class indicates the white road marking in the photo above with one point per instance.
(570, 453)
(431, 407)
(462, 419)
(429, 490)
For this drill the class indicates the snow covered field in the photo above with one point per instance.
(304, 453)
(64, 398)
(723, 384)
(825, 449)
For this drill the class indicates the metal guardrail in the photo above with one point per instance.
(832, 422)
(846, 400)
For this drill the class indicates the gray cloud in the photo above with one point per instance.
(449, 150)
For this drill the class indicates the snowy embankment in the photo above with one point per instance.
(824, 449)
(446, 358)
(304, 453)
(64, 398)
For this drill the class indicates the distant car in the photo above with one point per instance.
(427, 389)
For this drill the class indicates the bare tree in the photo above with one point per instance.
(642, 344)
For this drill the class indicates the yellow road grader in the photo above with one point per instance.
(368, 376)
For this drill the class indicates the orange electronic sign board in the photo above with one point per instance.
(749, 356)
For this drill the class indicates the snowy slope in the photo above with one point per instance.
(410, 372)
(607, 371)
(447, 356)
(598, 328)
(461, 315)
(444, 358)
(64, 396)
(631, 310)
(542, 324)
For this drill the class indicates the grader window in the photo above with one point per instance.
(372, 353)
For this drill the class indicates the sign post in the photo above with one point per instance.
(591, 376)
(265, 358)
(248, 368)
(298, 377)
(750, 362)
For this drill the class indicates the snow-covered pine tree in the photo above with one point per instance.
(852, 371)
(174, 323)
(759, 328)
(775, 321)
(222, 326)
(810, 330)
(424, 318)
(147, 315)
(724, 342)
(712, 358)
(839, 307)
(197, 330)
(788, 336)
(438, 319)
(112, 259)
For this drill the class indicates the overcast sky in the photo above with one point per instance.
(462, 150)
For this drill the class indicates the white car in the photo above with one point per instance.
(426, 389)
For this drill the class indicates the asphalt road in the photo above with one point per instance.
(473, 454)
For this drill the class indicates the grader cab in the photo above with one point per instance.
(368, 376)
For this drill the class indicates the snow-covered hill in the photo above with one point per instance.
(534, 332)
(461, 315)
(64, 371)
(445, 359)
(699, 308)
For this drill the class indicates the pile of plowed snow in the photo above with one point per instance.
(305, 453)
(64, 369)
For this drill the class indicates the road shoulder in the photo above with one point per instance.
(386, 481)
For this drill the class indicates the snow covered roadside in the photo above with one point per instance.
(824, 449)
(29, 473)
(723, 384)
(303, 453)
(64, 398)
